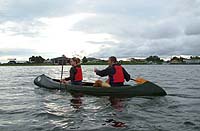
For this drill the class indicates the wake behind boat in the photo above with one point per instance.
(145, 89)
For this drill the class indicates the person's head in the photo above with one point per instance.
(78, 61)
(74, 61)
(112, 60)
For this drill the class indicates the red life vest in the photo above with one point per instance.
(118, 77)
(78, 75)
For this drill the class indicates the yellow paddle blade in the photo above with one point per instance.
(140, 80)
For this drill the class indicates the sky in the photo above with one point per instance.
(99, 28)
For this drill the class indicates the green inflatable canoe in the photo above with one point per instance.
(145, 89)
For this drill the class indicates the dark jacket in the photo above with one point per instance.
(73, 72)
(109, 71)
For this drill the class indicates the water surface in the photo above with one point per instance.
(26, 107)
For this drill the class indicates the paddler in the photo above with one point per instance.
(76, 76)
(115, 72)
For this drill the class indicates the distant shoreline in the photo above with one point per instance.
(89, 64)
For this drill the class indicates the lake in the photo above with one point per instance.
(26, 107)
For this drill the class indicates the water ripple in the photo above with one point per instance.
(25, 106)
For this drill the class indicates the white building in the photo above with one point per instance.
(21, 62)
(192, 61)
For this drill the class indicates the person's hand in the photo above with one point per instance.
(67, 82)
(95, 69)
(63, 81)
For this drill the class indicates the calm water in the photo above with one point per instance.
(26, 107)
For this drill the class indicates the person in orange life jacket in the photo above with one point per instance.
(115, 72)
(76, 76)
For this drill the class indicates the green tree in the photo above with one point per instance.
(154, 59)
(177, 59)
(84, 60)
(36, 59)
(194, 57)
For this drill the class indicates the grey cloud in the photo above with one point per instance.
(101, 43)
(16, 52)
(162, 31)
(186, 8)
(161, 34)
(130, 26)
(142, 28)
(26, 28)
(191, 45)
(165, 47)
(118, 25)
(138, 8)
(193, 28)
(29, 9)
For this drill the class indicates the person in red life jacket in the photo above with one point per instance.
(76, 76)
(115, 72)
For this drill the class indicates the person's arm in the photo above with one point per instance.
(126, 75)
(67, 78)
(72, 74)
(104, 72)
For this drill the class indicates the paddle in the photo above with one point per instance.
(61, 71)
(139, 80)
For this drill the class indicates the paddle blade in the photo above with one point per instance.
(140, 80)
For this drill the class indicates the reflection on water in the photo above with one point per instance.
(115, 123)
(76, 101)
(116, 103)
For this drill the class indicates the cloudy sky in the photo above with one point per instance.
(99, 28)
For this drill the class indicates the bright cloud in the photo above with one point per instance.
(99, 28)
(54, 37)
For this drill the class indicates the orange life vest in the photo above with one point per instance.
(78, 75)
(118, 77)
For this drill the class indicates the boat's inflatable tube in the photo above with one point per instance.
(145, 89)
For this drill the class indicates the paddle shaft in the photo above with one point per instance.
(61, 72)
(133, 79)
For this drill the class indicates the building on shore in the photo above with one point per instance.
(181, 60)
(92, 59)
(176, 62)
(60, 61)
(12, 62)
(134, 60)
(191, 61)
(17, 62)
(137, 60)
(48, 61)
(22, 62)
